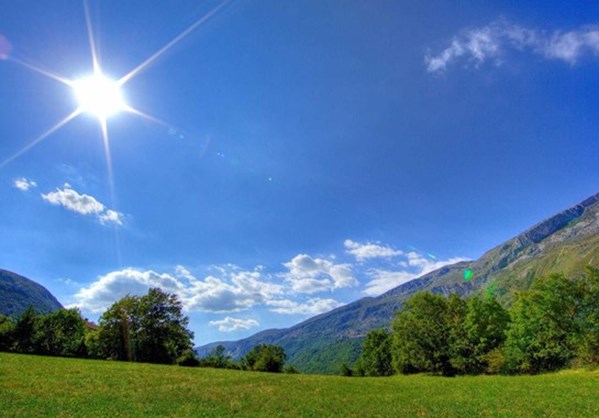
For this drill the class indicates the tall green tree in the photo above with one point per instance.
(24, 332)
(545, 329)
(162, 336)
(117, 330)
(421, 332)
(7, 329)
(61, 333)
(266, 358)
(588, 290)
(151, 328)
(481, 330)
(376, 356)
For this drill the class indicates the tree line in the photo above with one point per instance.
(149, 328)
(553, 325)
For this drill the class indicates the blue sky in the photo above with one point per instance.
(295, 156)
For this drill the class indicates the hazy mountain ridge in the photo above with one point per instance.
(18, 292)
(565, 242)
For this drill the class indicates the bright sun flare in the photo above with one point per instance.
(99, 96)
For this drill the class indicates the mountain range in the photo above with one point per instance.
(566, 243)
(18, 292)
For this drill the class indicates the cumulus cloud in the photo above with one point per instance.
(24, 184)
(492, 42)
(312, 306)
(235, 291)
(83, 204)
(365, 251)
(230, 324)
(311, 275)
(413, 266)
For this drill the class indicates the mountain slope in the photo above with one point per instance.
(566, 242)
(18, 292)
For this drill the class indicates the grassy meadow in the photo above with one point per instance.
(46, 386)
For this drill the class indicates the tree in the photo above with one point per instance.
(24, 332)
(588, 289)
(217, 358)
(545, 328)
(421, 335)
(61, 333)
(7, 329)
(480, 330)
(162, 336)
(117, 329)
(150, 329)
(266, 358)
(376, 353)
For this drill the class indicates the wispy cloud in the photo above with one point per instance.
(312, 306)
(368, 250)
(492, 42)
(412, 266)
(83, 204)
(230, 324)
(312, 275)
(24, 184)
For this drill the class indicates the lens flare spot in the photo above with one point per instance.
(99, 96)
(468, 274)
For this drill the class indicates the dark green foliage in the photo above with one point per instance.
(376, 354)
(588, 288)
(478, 329)
(218, 358)
(149, 329)
(17, 293)
(421, 335)
(60, 333)
(345, 370)
(544, 330)
(289, 369)
(117, 329)
(266, 358)
(7, 328)
(24, 332)
(188, 359)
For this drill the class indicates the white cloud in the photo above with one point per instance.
(312, 275)
(364, 251)
(236, 291)
(230, 324)
(24, 184)
(313, 306)
(491, 42)
(111, 217)
(83, 204)
(414, 266)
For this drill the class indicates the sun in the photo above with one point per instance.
(99, 96)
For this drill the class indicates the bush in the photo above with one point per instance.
(188, 359)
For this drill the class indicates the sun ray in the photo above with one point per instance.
(40, 138)
(109, 170)
(173, 42)
(90, 35)
(41, 71)
(149, 117)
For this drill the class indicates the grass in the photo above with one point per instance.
(46, 386)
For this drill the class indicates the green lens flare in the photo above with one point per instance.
(468, 274)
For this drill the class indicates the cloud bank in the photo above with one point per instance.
(491, 43)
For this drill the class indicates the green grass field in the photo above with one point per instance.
(45, 386)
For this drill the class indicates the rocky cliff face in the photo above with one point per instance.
(566, 242)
